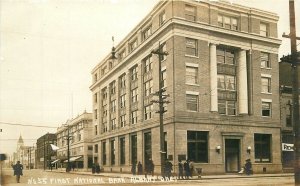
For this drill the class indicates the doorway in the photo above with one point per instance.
(232, 155)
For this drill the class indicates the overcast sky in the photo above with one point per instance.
(49, 47)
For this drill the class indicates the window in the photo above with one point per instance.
(104, 70)
(265, 85)
(266, 109)
(191, 75)
(113, 125)
(122, 101)
(162, 18)
(190, 13)
(96, 148)
(262, 147)
(147, 146)
(148, 64)
(133, 117)
(90, 147)
(191, 47)
(134, 71)
(96, 129)
(225, 56)
(122, 151)
(163, 48)
(134, 95)
(227, 107)
(133, 45)
(95, 77)
(96, 113)
(95, 97)
(197, 146)
(148, 88)
(104, 127)
(123, 120)
(148, 112)
(226, 82)
(133, 140)
(147, 32)
(288, 115)
(113, 105)
(192, 102)
(112, 152)
(228, 22)
(164, 78)
(264, 60)
(263, 28)
(113, 87)
(104, 153)
(122, 80)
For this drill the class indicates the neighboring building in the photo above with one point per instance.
(23, 154)
(79, 131)
(286, 108)
(44, 153)
(222, 78)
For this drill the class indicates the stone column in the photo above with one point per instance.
(213, 78)
(242, 82)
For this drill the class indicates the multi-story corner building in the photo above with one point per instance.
(44, 153)
(286, 108)
(79, 133)
(221, 74)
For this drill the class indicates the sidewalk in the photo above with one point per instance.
(223, 176)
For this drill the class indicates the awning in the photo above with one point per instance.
(55, 161)
(73, 159)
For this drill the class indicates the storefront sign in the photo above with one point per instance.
(287, 147)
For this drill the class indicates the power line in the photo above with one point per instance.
(26, 125)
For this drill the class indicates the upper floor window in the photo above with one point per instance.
(134, 95)
(191, 75)
(113, 87)
(264, 60)
(263, 29)
(147, 32)
(190, 12)
(266, 109)
(95, 77)
(134, 72)
(148, 112)
(228, 22)
(226, 107)
(122, 81)
(162, 18)
(122, 54)
(96, 97)
(226, 82)
(192, 102)
(104, 70)
(225, 56)
(113, 105)
(148, 64)
(163, 48)
(133, 45)
(122, 101)
(148, 88)
(191, 47)
(134, 117)
(265, 85)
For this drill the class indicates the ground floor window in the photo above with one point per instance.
(262, 148)
(133, 149)
(103, 153)
(197, 146)
(122, 151)
(112, 152)
(147, 146)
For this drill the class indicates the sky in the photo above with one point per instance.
(48, 49)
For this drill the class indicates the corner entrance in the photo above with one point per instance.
(232, 155)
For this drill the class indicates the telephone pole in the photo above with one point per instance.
(161, 101)
(294, 60)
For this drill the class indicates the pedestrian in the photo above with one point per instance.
(50, 166)
(140, 168)
(248, 167)
(73, 166)
(180, 169)
(18, 170)
(133, 168)
(149, 168)
(192, 168)
(187, 169)
(93, 168)
(168, 168)
(97, 168)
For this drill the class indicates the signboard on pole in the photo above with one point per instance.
(287, 147)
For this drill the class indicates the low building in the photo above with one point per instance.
(77, 134)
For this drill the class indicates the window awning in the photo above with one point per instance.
(55, 161)
(76, 158)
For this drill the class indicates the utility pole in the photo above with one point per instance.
(161, 101)
(68, 137)
(44, 152)
(294, 60)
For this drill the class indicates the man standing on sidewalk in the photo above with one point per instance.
(18, 170)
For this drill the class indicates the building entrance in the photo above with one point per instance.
(232, 155)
